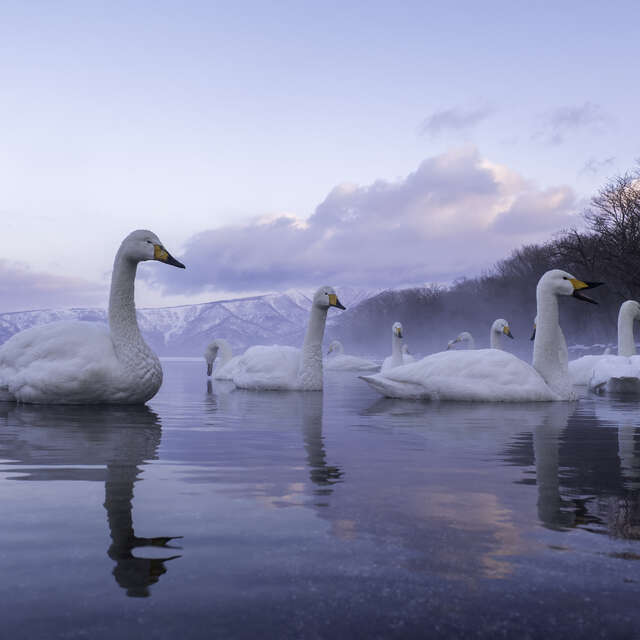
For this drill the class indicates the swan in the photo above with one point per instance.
(219, 350)
(397, 357)
(406, 354)
(87, 362)
(492, 375)
(342, 362)
(465, 339)
(499, 328)
(617, 374)
(287, 368)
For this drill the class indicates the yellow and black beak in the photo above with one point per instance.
(398, 332)
(334, 302)
(533, 333)
(161, 254)
(579, 285)
(507, 332)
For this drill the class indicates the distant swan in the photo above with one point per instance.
(499, 328)
(87, 362)
(492, 375)
(616, 374)
(287, 368)
(397, 357)
(465, 339)
(219, 351)
(342, 362)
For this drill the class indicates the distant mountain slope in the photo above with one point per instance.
(267, 319)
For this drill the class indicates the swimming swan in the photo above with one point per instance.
(492, 375)
(465, 339)
(499, 328)
(88, 362)
(287, 368)
(397, 357)
(219, 351)
(342, 362)
(616, 374)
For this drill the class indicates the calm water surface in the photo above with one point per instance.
(222, 513)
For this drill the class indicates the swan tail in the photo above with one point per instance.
(393, 389)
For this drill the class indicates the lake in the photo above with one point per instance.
(215, 512)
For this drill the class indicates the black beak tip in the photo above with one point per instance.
(510, 335)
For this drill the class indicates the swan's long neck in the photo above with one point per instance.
(549, 347)
(396, 351)
(127, 340)
(310, 372)
(626, 316)
(219, 350)
(495, 338)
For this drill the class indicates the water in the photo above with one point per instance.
(309, 515)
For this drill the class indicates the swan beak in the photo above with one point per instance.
(334, 302)
(507, 332)
(209, 368)
(161, 254)
(578, 285)
(533, 334)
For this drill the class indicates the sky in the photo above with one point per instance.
(292, 144)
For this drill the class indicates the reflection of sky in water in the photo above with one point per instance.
(348, 509)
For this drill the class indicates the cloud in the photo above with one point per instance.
(454, 215)
(21, 289)
(594, 166)
(559, 123)
(453, 119)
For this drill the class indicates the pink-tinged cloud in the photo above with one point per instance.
(455, 215)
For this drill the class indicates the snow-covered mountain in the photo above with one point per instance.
(275, 318)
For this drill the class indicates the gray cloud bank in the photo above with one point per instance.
(23, 289)
(453, 216)
(558, 124)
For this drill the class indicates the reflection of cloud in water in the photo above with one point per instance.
(104, 444)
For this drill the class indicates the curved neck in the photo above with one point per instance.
(396, 351)
(310, 372)
(495, 338)
(549, 347)
(223, 353)
(122, 309)
(626, 343)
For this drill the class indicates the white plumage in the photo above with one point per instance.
(339, 361)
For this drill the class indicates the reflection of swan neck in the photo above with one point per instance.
(310, 373)
(549, 343)
(626, 316)
(125, 333)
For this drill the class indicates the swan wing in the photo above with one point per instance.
(581, 369)
(350, 363)
(483, 375)
(227, 370)
(262, 367)
(61, 362)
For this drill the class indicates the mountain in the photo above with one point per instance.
(275, 318)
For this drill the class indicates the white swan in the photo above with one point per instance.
(492, 375)
(87, 362)
(616, 374)
(499, 329)
(219, 351)
(397, 357)
(342, 362)
(406, 354)
(465, 339)
(287, 368)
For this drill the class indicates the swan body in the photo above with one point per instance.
(609, 373)
(283, 368)
(85, 362)
(219, 351)
(464, 339)
(492, 375)
(397, 357)
(342, 362)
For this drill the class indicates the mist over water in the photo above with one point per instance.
(334, 514)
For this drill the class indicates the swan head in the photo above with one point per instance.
(501, 326)
(562, 283)
(632, 307)
(210, 355)
(326, 297)
(336, 346)
(396, 330)
(465, 337)
(405, 349)
(143, 245)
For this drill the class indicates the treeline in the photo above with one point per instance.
(607, 249)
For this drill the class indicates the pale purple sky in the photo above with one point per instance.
(275, 145)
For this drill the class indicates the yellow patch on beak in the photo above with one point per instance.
(578, 284)
(160, 253)
(506, 331)
(333, 299)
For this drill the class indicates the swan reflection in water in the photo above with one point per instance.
(60, 440)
